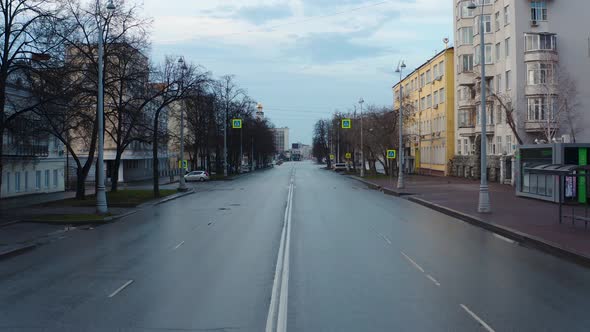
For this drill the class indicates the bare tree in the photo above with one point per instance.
(321, 144)
(26, 40)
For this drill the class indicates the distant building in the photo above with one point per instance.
(281, 139)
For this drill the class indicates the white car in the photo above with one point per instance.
(340, 167)
(197, 176)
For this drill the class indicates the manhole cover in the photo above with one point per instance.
(224, 209)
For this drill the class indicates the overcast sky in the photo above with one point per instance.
(303, 59)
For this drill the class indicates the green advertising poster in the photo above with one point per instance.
(582, 161)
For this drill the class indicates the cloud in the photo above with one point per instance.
(262, 14)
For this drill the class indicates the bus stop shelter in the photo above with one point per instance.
(563, 172)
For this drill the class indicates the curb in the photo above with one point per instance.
(16, 251)
(522, 238)
(386, 191)
(10, 223)
(173, 197)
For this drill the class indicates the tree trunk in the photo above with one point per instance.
(115, 172)
(156, 177)
(1, 156)
(80, 183)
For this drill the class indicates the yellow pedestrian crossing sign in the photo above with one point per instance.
(348, 155)
(391, 154)
(236, 123)
(332, 157)
(346, 123)
(183, 164)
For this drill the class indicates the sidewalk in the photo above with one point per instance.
(526, 220)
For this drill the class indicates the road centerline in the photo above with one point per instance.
(178, 245)
(412, 262)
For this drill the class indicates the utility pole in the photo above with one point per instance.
(181, 180)
(361, 101)
(400, 177)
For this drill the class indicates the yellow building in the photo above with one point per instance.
(428, 100)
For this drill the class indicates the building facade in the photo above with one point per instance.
(34, 163)
(428, 100)
(281, 139)
(536, 73)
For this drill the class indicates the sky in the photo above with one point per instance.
(303, 59)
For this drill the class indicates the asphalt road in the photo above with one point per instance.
(292, 248)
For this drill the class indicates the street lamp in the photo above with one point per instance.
(400, 177)
(361, 101)
(181, 181)
(484, 205)
(101, 196)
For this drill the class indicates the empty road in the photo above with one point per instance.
(293, 248)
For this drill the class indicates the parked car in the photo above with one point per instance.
(197, 176)
(279, 163)
(245, 169)
(340, 167)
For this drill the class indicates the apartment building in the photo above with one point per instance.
(428, 100)
(281, 139)
(536, 60)
(33, 161)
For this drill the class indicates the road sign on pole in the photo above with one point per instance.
(391, 154)
(346, 123)
(183, 164)
(348, 155)
(332, 157)
(236, 123)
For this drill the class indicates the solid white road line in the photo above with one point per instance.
(121, 288)
(178, 245)
(277, 311)
(433, 280)
(412, 262)
(504, 238)
(479, 320)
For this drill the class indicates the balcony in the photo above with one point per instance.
(541, 56)
(535, 126)
(466, 78)
(25, 150)
(490, 128)
(466, 103)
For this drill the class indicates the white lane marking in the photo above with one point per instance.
(280, 287)
(384, 238)
(413, 263)
(178, 245)
(121, 288)
(504, 238)
(479, 320)
(433, 280)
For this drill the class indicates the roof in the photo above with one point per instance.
(424, 64)
(556, 169)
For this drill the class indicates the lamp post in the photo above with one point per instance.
(181, 180)
(400, 176)
(361, 101)
(101, 197)
(484, 205)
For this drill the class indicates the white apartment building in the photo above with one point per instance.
(281, 139)
(537, 53)
(34, 163)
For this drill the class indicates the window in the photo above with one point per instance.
(497, 21)
(423, 103)
(441, 68)
(506, 15)
(508, 144)
(508, 79)
(538, 10)
(507, 47)
(7, 182)
(487, 24)
(498, 52)
(499, 146)
(55, 178)
(535, 42)
(17, 182)
(466, 146)
(540, 73)
(435, 70)
(459, 147)
(46, 178)
(428, 76)
(441, 95)
(435, 97)
(540, 109)
(38, 180)
(466, 63)
(422, 82)
(499, 83)
(498, 114)
(488, 54)
(428, 101)
(466, 36)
